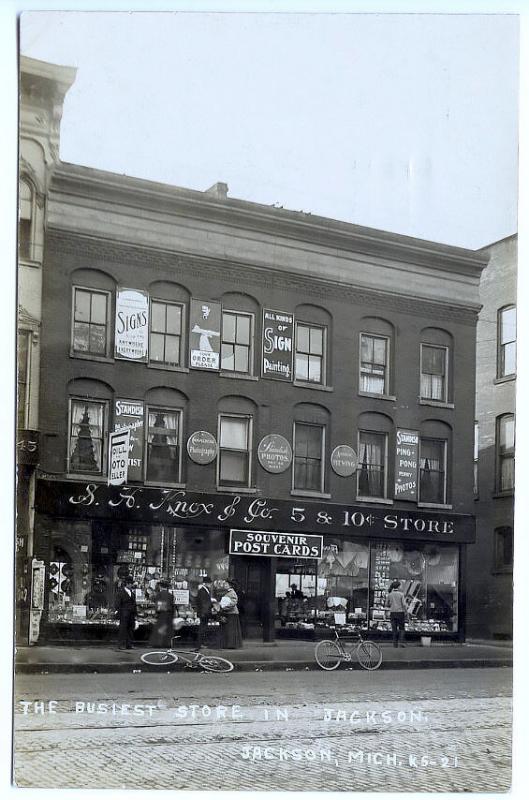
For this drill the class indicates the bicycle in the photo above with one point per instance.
(330, 653)
(193, 659)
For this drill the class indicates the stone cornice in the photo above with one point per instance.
(95, 249)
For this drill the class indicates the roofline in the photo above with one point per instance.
(55, 73)
(499, 241)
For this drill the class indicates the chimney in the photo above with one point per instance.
(218, 190)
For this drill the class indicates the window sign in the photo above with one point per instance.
(204, 334)
(282, 545)
(118, 457)
(274, 453)
(278, 335)
(129, 414)
(344, 460)
(406, 462)
(132, 325)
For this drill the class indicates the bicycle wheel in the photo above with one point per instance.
(215, 664)
(159, 658)
(328, 654)
(369, 655)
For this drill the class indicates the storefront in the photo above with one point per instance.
(297, 565)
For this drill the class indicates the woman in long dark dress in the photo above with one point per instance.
(230, 636)
(162, 633)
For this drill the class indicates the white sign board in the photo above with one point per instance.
(118, 457)
(181, 597)
(131, 339)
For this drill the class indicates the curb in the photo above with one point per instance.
(255, 666)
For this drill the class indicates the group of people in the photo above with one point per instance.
(224, 605)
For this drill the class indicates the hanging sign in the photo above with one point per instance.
(272, 544)
(274, 453)
(204, 334)
(278, 338)
(406, 464)
(344, 460)
(118, 451)
(132, 325)
(202, 447)
(129, 414)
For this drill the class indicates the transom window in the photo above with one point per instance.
(236, 342)
(90, 322)
(308, 457)
(507, 341)
(432, 477)
(371, 472)
(374, 364)
(166, 333)
(87, 430)
(310, 349)
(234, 450)
(434, 363)
(505, 453)
(163, 445)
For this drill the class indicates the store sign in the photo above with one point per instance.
(204, 334)
(274, 544)
(181, 597)
(130, 414)
(118, 457)
(143, 505)
(274, 453)
(344, 460)
(278, 341)
(406, 464)
(202, 447)
(132, 325)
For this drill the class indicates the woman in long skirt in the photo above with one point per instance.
(230, 636)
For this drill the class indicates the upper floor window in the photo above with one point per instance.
(503, 547)
(309, 446)
(505, 453)
(476, 459)
(163, 445)
(432, 477)
(88, 423)
(506, 341)
(236, 355)
(372, 457)
(434, 371)
(90, 322)
(165, 342)
(25, 220)
(310, 353)
(234, 464)
(374, 364)
(23, 368)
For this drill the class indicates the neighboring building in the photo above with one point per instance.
(42, 91)
(490, 589)
(299, 394)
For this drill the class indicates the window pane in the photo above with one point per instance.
(227, 357)
(506, 473)
(233, 467)
(379, 355)
(371, 471)
(315, 369)
(233, 433)
(303, 334)
(241, 358)
(98, 339)
(158, 317)
(99, 309)
(86, 436)
(509, 359)
(156, 347)
(508, 325)
(228, 327)
(172, 350)
(507, 433)
(308, 441)
(433, 360)
(174, 319)
(302, 367)
(82, 306)
(432, 477)
(243, 330)
(316, 341)
(81, 337)
(366, 348)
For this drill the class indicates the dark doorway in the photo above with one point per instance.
(254, 577)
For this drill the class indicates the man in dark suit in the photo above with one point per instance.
(203, 609)
(126, 611)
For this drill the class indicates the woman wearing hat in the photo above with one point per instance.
(231, 637)
(397, 613)
(163, 627)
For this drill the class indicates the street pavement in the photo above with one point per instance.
(445, 730)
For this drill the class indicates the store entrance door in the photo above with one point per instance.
(254, 577)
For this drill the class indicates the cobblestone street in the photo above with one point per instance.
(426, 730)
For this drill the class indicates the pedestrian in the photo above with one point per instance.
(241, 604)
(203, 603)
(126, 611)
(162, 633)
(296, 593)
(230, 636)
(397, 613)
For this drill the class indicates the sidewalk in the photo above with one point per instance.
(280, 655)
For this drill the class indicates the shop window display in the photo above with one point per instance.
(429, 580)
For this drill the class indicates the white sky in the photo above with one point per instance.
(401, 122)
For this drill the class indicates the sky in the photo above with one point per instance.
(402, 122)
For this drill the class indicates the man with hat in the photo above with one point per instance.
(203, 609)
(126, 611)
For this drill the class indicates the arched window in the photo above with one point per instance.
(434, 455)
(310, 437)
(25, 220)
(372, 474)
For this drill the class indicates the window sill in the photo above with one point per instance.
(377, 396)
(29, 262)
(504, 379)
(86, 476)
(158, 485)
(87, 357)
(383, 501)
(167, 367)
(239, 489)
(318, 386)
(441, 506)
(507, 493)
(306, 493)
(435, 403)
(242, 376)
